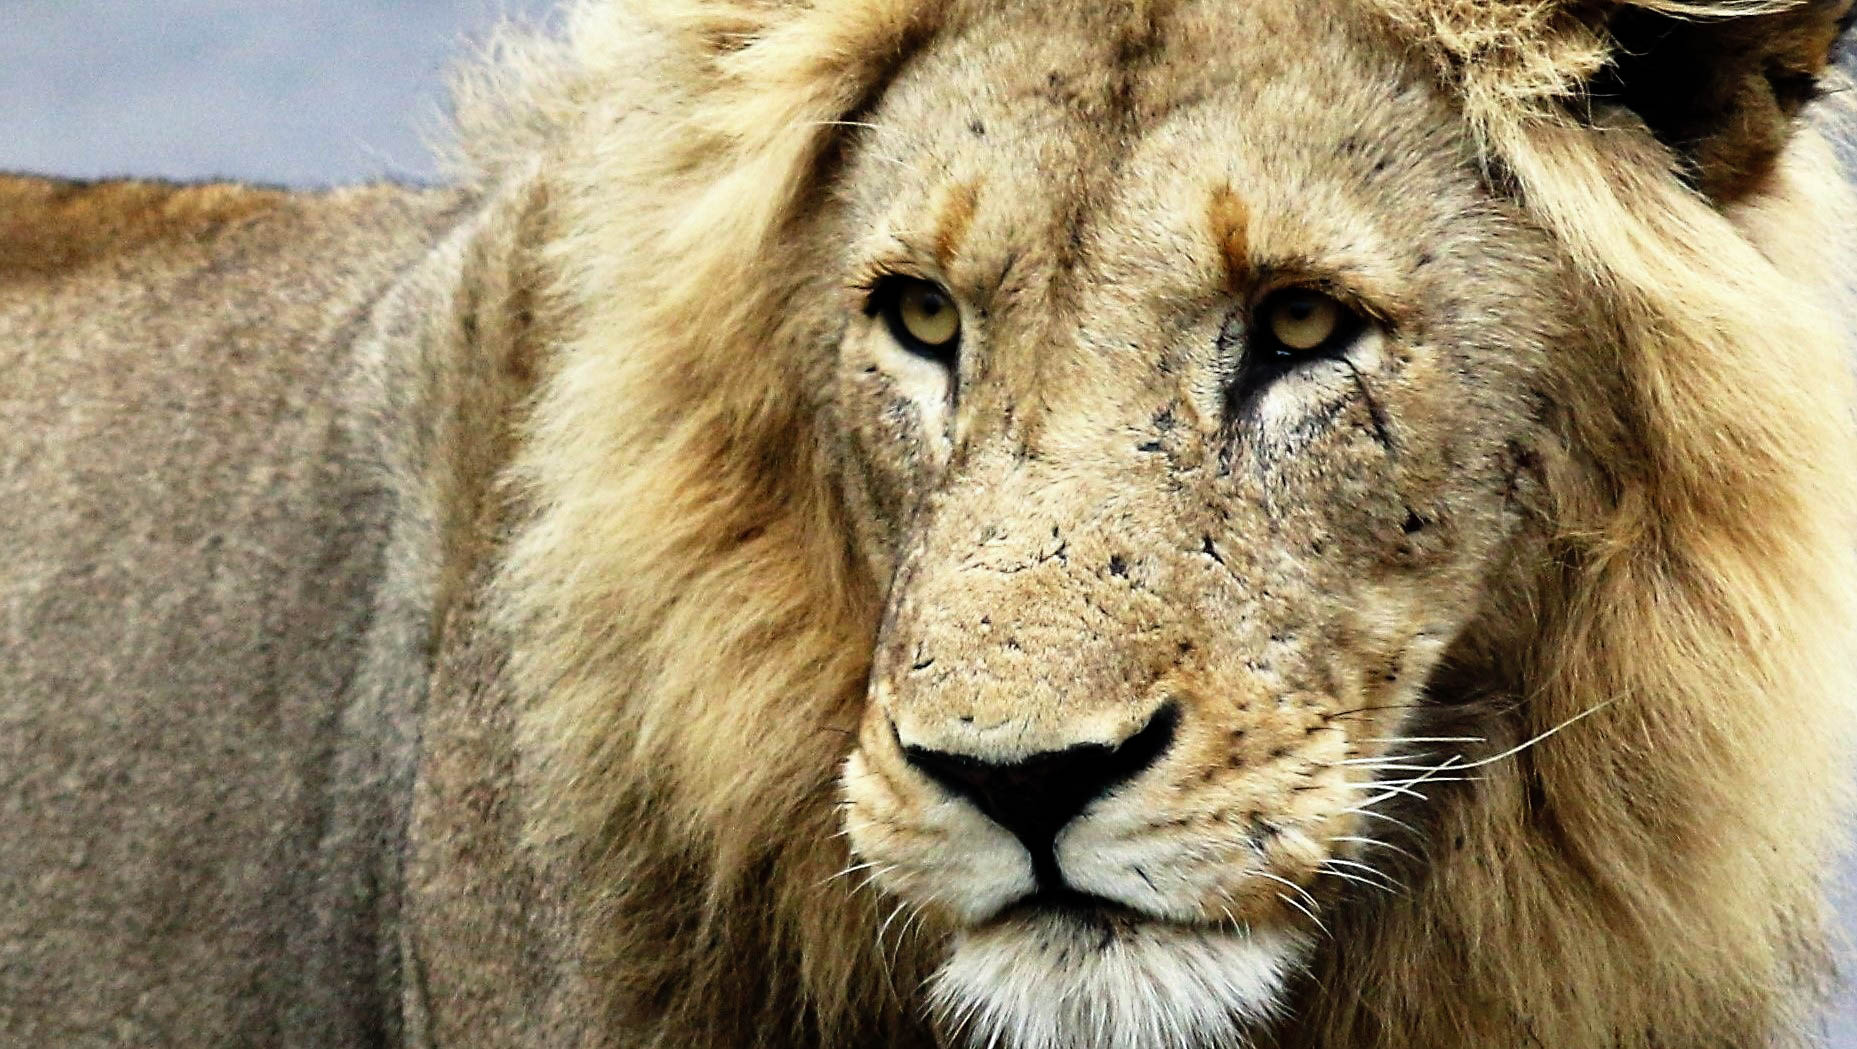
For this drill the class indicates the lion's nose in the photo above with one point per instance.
(1036, 797)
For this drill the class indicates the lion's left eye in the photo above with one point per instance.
(1301, 321)
(1283, 331)
(921, 316)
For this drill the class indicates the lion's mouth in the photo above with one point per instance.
(1099, 919)
(1070, 905)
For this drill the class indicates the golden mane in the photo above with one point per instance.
(694, 638)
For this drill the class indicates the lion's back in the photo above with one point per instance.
(193, 530)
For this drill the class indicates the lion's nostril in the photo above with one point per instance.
(1035, 798)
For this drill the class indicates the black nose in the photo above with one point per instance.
(1036, 797)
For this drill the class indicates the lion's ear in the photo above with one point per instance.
(1721, 84)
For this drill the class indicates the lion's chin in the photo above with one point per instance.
(1060, 980)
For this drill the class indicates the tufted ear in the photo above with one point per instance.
(1721, 84)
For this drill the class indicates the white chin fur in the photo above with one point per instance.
(1058, 983)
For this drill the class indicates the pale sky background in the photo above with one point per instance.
(300, 92)
(304, 92)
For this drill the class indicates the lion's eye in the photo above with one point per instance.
(1301, 321)
(921, 316)
(1285, 330)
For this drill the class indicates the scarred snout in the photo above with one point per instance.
(1030, 670)
(1091, 699)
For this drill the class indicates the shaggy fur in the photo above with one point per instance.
(516, 638)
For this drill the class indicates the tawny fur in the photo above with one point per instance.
(588, 734)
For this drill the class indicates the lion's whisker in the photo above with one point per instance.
(870, 878)
(1307, 913)
(1389, 767)
(847, 872)
(1557, 729)
(1292, 886)
(1371, 814)
(1345, 876)
(1332, 715)
(1391, 790)
(893, 956)
(1418, 781)
(916, 917)
(1375, 843)
(864, 124)
(883, 958)
(1376, 761)
(1367, 868)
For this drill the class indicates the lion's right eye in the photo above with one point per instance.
(921, 316)
(1285, 331)
(1303, 322)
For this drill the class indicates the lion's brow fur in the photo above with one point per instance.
(695, 638)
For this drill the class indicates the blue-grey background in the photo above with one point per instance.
(302, 92)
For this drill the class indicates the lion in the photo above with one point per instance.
(1153, 524)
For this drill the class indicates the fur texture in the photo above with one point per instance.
(1496, 666)
(1694, 577)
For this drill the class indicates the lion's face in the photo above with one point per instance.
(1187, 414)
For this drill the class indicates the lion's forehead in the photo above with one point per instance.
(1029, 156)
(1051, 96)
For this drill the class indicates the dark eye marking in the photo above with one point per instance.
(1285, 330)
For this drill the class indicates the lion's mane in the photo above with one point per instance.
(694, 635)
